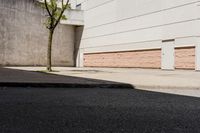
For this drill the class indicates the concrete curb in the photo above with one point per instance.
(65, 85)
(157, 87)
(78, 85)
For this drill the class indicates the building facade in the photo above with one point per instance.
(161, 34)
(140, 34)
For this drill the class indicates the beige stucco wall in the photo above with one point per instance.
(23, 37)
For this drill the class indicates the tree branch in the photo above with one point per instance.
(62, 3)
(47, 8)
(61, 14)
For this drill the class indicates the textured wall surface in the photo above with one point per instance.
(138, 59)
(185, 58)
(23, 37)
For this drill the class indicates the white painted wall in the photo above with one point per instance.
(198, 55)
(118, 25)
(74, 17)
(167, 62)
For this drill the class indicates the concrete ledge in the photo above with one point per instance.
(151, 79)
(155, 87)
(65, 85)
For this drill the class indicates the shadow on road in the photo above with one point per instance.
(13, 78)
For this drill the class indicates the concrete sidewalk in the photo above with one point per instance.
(150, 79)
(37, 77)
(141, 78)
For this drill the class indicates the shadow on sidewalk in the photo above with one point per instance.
(22, 78)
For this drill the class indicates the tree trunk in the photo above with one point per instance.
(49, 50)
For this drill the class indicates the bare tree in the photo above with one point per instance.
(55, 12)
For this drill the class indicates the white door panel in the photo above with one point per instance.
(168, 55)
(197, 48)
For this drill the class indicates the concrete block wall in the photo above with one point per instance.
(23, 37)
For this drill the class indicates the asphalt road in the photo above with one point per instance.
(51, 110)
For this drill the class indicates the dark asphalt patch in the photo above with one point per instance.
(59, 110)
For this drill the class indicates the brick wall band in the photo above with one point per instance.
(134, 59)
(185, 58)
